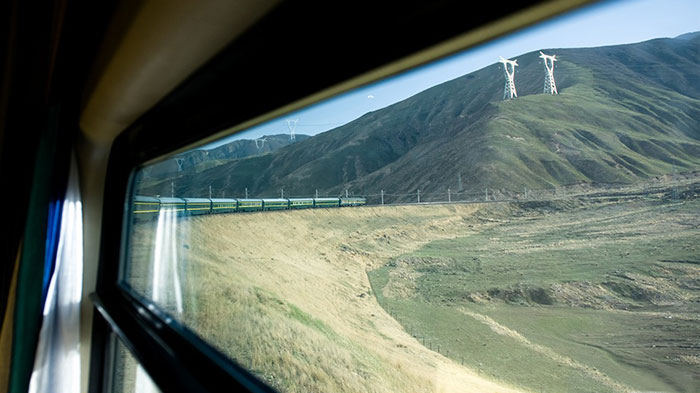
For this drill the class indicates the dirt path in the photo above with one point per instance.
(548, 352)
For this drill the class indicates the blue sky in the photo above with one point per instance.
(605, 23)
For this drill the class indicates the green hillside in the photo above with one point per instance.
(624, 113)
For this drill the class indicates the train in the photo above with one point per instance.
(146, 208)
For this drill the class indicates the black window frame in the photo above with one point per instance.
(257, 75)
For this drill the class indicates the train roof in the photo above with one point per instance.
(197, 200)
(225, 200)
(275, 199)
(171, 200)
(139, 198)
(326, 199)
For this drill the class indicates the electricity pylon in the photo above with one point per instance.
(549, 85)
(509, 91)
(260, 143)
(292, 125)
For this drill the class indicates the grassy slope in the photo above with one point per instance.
(288, 296)
(562, 298)
(563, 140)
(624, 113)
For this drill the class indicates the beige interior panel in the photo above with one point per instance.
(163, 42)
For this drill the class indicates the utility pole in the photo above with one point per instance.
(317, 193)
(172, 189)
(282, 193)
(486, 192)
(210, 191)
(382, 197)
(418, 196)
(246, 193)
(449, 197)
(346, 192)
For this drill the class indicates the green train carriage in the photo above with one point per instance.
(301, 203)
(145, 208)
(173, 206)
(275, 204)
(223, 205)
(197, 206)
(250, 205)
(326, 202)
(352, 202)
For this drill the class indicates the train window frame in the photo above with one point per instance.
(198, 111)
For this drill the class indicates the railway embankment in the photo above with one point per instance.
(286, 294)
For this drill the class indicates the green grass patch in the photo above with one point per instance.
(295, 313)
(591, 298)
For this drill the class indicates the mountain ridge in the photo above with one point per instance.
(195, 161)
(624, 113)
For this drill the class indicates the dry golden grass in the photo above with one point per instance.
(286, 295)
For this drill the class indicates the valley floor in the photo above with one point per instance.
(536, 296)
(563, 296)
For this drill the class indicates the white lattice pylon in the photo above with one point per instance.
(549, 85)
(509, 69)
(292, 125)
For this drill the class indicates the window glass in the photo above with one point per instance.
(524, 216)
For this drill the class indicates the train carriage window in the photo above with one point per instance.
(522, 216)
